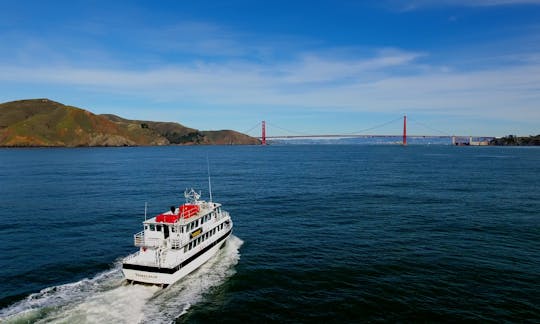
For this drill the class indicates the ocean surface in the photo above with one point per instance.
(333, 233)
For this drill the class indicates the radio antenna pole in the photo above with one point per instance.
(209, 181)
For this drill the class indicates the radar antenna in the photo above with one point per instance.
(192, 196)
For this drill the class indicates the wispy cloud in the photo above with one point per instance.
(406, 5)
(205, 65)
(313, 82)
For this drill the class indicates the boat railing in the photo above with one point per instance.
(224, 214)
(176, 243)
(131, 256)
(140, 240)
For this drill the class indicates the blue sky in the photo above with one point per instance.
(317, 67)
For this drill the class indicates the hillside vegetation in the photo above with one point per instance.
(43, 122)
(512, 140)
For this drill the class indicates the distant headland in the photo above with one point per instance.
(512, 140)
(46, 123)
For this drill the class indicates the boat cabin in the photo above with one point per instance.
(173, 225)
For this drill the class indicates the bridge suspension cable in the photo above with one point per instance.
(288, 130)
(429, 127)
(258, 125)
(376, 126)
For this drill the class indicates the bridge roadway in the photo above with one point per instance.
(372, 136)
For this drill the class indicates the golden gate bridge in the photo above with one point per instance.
(454, 139)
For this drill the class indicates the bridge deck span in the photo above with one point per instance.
(371, 136)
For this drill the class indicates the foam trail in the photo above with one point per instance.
(178, 298)
(104, 299)
(47, 300)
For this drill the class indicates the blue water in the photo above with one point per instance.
(337, 233)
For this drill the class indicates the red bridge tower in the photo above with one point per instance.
(404, 130)
(263, 137)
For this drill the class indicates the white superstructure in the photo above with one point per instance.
(175, 243)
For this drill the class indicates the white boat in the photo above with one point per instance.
(177, 242)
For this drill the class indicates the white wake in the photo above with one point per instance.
(103, 298)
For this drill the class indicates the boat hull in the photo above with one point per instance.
(168, 276)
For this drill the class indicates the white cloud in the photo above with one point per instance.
(315, 82)
(223, 71)
(416, 4)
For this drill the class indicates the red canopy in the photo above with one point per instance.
(185, 210)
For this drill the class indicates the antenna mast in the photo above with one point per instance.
(145, 208)
(209, 181)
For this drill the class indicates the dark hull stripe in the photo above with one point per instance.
(178, 267)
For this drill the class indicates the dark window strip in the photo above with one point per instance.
(178, 267)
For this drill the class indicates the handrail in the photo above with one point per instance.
(176, 243)
(140, 240)
(131, 256)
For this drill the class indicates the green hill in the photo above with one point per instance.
(43, 122)
(512, 140)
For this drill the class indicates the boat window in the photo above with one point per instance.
(152, 228)
(185, 249)
(145, 227)
(173, 229)
(197, 222)
(158, 228)
(166, 231)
